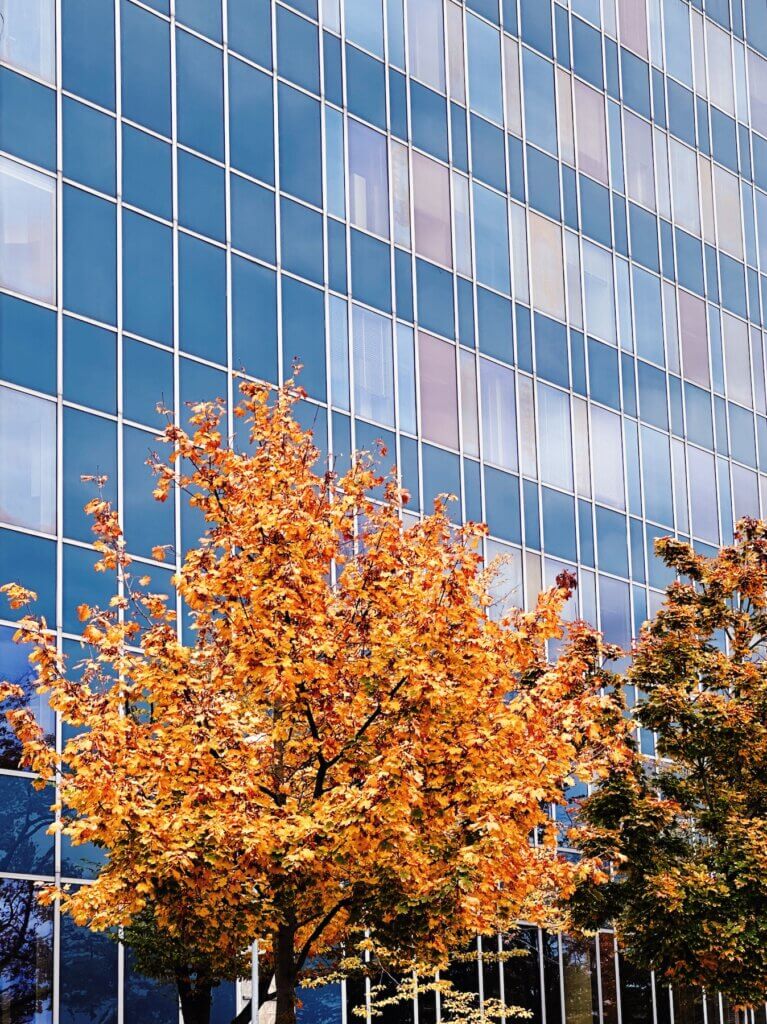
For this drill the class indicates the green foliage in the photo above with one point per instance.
(685, 838)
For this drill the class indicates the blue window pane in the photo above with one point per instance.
(465, 313)
(200, 95)
(30, 561)
(300, 148)
(147, 521)
(488, 153)
(562, 36)
(656, 474)
(199, 383)
(648, 316)
(441, 475)
(398, 104)
(201, 198)
(148, 1000)
(681, 111)
(612, 548)
(587, 53)
(27, 119)
(700, 427)
(24, 817)
(403, 283)
(331, 58)
(551, 350)
(250, 30)
(603, 374)
(90, 449)
(636, 82)
(365, 86)
(559, 524)
(428, 111)
(543, 175)
(251, 121)
(364, 24)
(540, 104)
(494, 324)
(742, 435)
(302, 247)
(147, 381)
(678, 48)
(204, 16)
(88, 990)
(202, 298)
(536, 24)
(395, 30)
(305, 7)
(689, 261)
(371, 271)
(484, 47)
(83, 585)
(252, 219)
(644, 237)
(435, 299)
(595, 210)
(337, 264)
(90, 265)
(26, 972)
(145, 48)
(586, 532)
(303, 335)
(147, 277)
(491, 239)
(27, 344)
(459, 137)
(147, 172)
(733, 284)
(88, 47)
(254, 319)
(298, 50)
(90, 365)
(89, 146)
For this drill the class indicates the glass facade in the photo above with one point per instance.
(524, 242)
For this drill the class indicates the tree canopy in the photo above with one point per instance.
(686, 835)
(340, 738)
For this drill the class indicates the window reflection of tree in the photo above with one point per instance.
(552, 990)
(26, 955)
(24, 819)
(15, 668)
(688, 1005)
(148, 1001)
(580, 977)
(608, 978)
(636, 994)
(88, 982)
(521, 974)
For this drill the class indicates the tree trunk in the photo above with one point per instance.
(285, 975)
(195, 999)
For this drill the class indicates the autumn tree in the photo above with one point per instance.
(687, 835)
(344, 743)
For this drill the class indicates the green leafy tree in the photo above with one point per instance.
(684, 838)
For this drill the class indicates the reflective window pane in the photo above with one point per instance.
(26, 954)
(431, 199)
(499, 421)
(438, 390)
(27, 36)
(27, 231)
(373, 366)
(27, 461)
(368, 179)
